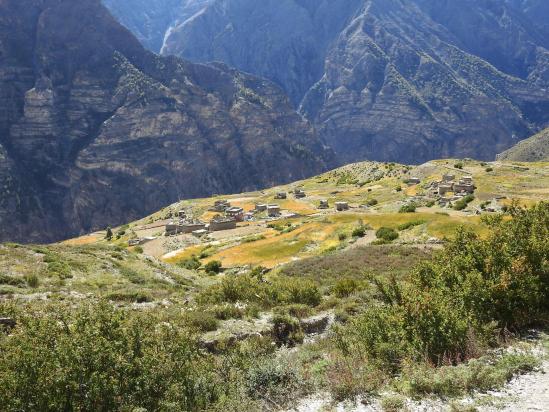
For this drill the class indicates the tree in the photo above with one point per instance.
(109, 235)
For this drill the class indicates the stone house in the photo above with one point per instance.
(281, 195)
(219, 223)
(260, 207)
(299, 194)
(323, 204)
(273, 210)
(445, 188)
(178, 228)
(235, 212)
(413, 181)
(220, 206)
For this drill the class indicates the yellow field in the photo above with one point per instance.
(83, 240)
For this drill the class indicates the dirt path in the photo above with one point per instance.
(525, 393)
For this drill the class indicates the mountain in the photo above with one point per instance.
(394, 80)
(95, 130)
(534, 149)
(151, 20)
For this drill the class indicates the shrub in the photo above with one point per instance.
(398, 188)
(213, 267)
(342, 236)
(409, 208)
(100, 358)
(489, 169)
(458, 165)
(134, 297)
(296, 310)
(32, 280)
(273, 378)
(138, 249)
(451, 307)
(394, 403)
(204, 321)
(12, 280)
(372, 202)
(409, 225)
(301, 291)
(345, 287)
(387, 234)
(359, 231)
(193, 263)
(287, 330)
(227, 311)
(248, 289)
(430, 203)
(462, 203)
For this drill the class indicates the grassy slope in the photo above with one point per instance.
(534, 149)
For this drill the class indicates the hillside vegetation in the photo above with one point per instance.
(534, 149)
(427, 332)
(408, 301)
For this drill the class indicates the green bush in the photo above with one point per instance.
(193, 263)
(134, 297)
(386, 234)
(409, 208)
(345, 287)
(359, 231)
(489, 169)
(213, 267)
(296, 310)
(342, 236)
(452, 306)
(287, 330)
(249, 289)
(394, 403)
(372, 202)
(458, 165)
(97, 358)
(32, 280)
(409, 225)
(12, 280)
(462, 203)
(203, 321)
(273, 378)
(227, 311)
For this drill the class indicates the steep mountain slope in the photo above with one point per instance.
(405, 80)
(95, 130)
(534, 149)
(151, 20)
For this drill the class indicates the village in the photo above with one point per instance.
(309, 216)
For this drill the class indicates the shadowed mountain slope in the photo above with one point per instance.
(95, 130)
(404, 80)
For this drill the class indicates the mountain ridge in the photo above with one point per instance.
(401, 81)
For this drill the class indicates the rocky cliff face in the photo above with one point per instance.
(152, 20)
(94, 130)
(405, 80)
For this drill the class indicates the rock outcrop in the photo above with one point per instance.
(391, 80)
(95, 130)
